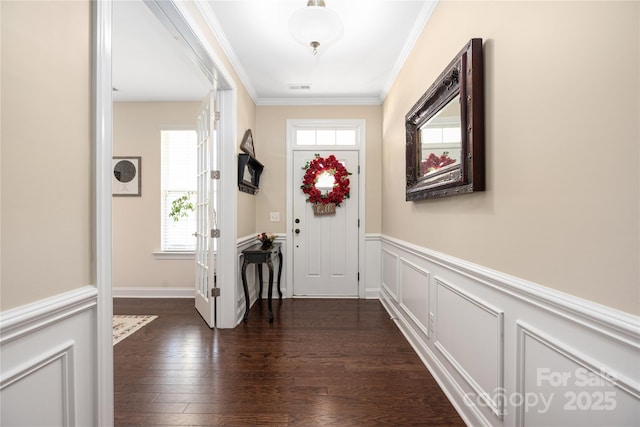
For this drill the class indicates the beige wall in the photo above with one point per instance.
(136, 220)
(574, 228)
(562, 105)
(246, 213)
(270, 145)
(46, 149)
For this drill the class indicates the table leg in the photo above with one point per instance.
(279, 271)
(270, 265)
(260, 278)
(246, 290)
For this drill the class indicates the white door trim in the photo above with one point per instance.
(226, 314)
(102, 15)
(292, 125)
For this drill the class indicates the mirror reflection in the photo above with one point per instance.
(247, 175)
(441, 140)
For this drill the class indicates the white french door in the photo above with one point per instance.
(325, 247)
(206, 211)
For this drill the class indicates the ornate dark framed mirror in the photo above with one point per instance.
(445, 131)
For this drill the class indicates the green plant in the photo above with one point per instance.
(181, 207)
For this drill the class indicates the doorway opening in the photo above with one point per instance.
(327, 251)
(175, 19)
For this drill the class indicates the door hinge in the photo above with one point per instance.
(358, 169)
(358, 276)
(358, 222)
(215, 174)
(215, 292)
(216, 115)
(215, 232)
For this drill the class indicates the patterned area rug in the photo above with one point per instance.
(125, 325)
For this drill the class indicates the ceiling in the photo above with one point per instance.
(358, 68)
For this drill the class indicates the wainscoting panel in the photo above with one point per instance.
(470, 338)
(390, 273)
(47, 379)
(252, 279)
(414, 299)
(578, 365)
(562, 386)
(373, 269)
(49, 360)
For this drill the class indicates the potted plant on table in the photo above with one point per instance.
(266, 239)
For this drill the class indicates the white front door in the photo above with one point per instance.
(325, 247)
(206, 211)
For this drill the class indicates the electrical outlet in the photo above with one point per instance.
(274, 217)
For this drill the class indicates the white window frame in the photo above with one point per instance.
(325, 125)
(174, 252)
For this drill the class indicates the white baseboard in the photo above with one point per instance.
(144, 292)
(373, 269)
(372, 294)
(492, 341)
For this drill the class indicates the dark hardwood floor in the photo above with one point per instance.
(322, 362)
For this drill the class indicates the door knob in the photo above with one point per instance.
(297, 230)
(297, 221)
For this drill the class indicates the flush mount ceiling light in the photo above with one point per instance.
(315, 25)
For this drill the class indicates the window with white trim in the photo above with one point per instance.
(325, 136)
(178, 178)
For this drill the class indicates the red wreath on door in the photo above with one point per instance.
(317, 167)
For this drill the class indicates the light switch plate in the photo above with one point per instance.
(274, 217)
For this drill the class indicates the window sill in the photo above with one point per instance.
(184, 255)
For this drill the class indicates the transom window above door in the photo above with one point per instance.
(325, 137)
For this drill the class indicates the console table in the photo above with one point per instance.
(258, 255)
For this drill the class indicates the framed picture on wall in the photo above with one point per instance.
(125, 176)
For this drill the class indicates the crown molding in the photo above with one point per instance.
(425, 14)
(317, 101)
(204, 8)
